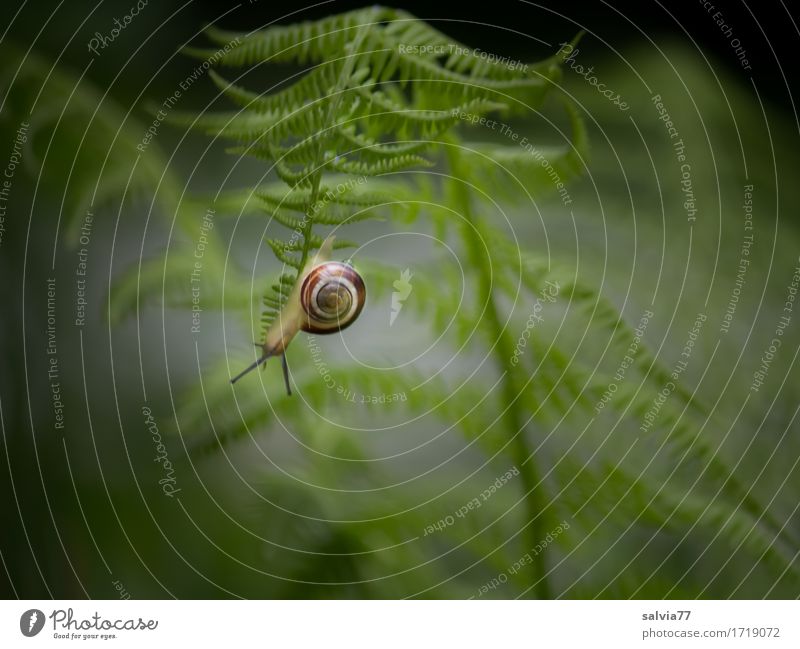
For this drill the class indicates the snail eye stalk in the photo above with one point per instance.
(250, 368)
(286, 375)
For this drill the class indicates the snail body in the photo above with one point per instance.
(326, 298)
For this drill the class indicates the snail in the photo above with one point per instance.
(327, 297)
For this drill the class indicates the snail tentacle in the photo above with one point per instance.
(251, 367)
(286, 375)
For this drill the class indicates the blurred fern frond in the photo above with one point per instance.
(345, 143)
(82, 142)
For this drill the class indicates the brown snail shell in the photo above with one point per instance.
(332, 296)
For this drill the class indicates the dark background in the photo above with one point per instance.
(502, 25)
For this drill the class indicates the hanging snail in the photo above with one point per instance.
(327, 297)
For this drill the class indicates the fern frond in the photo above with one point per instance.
(337, 190)
(314, 242)
(100, 161)
(334, 118)
(334, 206)
(379, 167)
(236, 125)
(318, 83)
(392, 33)
(142, 287)
(521, 170)
(434, 299)
(364, 109)
(283, 250)
(656, 505)
(306, 42)
(388, 114)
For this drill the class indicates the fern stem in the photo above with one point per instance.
(338, 91)
(536, 500)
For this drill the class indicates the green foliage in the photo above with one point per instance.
(366, 108)
(80, 143)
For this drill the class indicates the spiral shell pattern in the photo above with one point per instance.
(332, 296)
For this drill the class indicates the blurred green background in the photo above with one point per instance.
(335, 503)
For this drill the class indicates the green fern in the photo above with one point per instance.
(98, 160)
(335, 119)
(336, 139)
